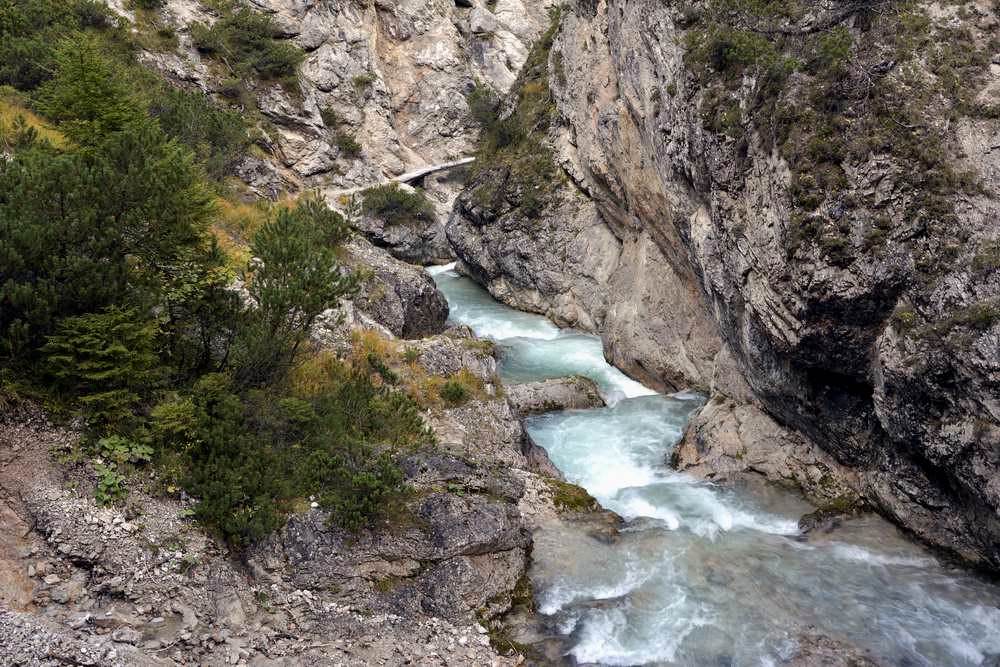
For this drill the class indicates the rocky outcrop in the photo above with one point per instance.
(398, 296)
(572, 393)
(728, 439)
(458, 555)
(851, 294)
(417, 241)
(391, 76)
(816, 649)
(144, 585)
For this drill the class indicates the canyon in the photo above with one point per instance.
(823, 333)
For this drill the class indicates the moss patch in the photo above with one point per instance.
(570, 497)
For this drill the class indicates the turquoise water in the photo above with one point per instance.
(703, 574)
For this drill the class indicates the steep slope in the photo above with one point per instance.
(820, 184)
(382, 87)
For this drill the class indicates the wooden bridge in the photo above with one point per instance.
(337, 197)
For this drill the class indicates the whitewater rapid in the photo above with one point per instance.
(702, 574)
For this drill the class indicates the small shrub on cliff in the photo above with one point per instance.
(454, 392)
(514, 163)
(347, 144)
(248, 42)
(397, 205)
(295, 277)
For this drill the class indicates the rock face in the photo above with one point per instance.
(727, 439)
(855, 313)
(573, 393)
(391, 75)
(400, 297)
(414, 241)
(573, 267)
(144, 585)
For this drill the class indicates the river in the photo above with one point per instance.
(704, 574)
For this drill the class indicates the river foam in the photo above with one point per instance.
(703, 574)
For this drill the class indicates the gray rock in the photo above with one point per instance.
(419, 241)
(126, 635)
(455, 350)
(572, 393)
(726, 440)
(677, 244)
(399, 296)
(816, 649)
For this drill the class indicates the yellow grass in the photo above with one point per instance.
(315, 375)
(237, 221)
(11, 108)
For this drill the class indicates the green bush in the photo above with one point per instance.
(123, 451)
(218, 137)
(249, 42)
(30, 30)
(397, 205)
(89, 95)
(347, 144)
(296, 277)
(454, 392)
(248, 458)
(484, 106)
(85, 230)
(110, 488)
(109, 361)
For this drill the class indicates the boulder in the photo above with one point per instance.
(727, 440)
(418, 241)
(401, 297)
(572, 393)
(816, 650)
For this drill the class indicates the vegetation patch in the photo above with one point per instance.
(249, 44)
(514, 165)
(118, 303)
(397, 205)
(570, 497)
(347, 144)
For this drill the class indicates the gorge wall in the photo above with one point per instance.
(796, 210)
(390, 76)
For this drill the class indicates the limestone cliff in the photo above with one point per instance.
(795, 207)
(391, 76)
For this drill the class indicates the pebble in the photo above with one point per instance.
(51, 579)
(126, 635)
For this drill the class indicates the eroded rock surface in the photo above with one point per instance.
(399, 296)
(392, 76)
(573, 393)
(727, 439)
(143, 585)
(875, 338)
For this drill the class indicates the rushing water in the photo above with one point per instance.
(702, 574)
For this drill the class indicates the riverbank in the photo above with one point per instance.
(701, 572)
